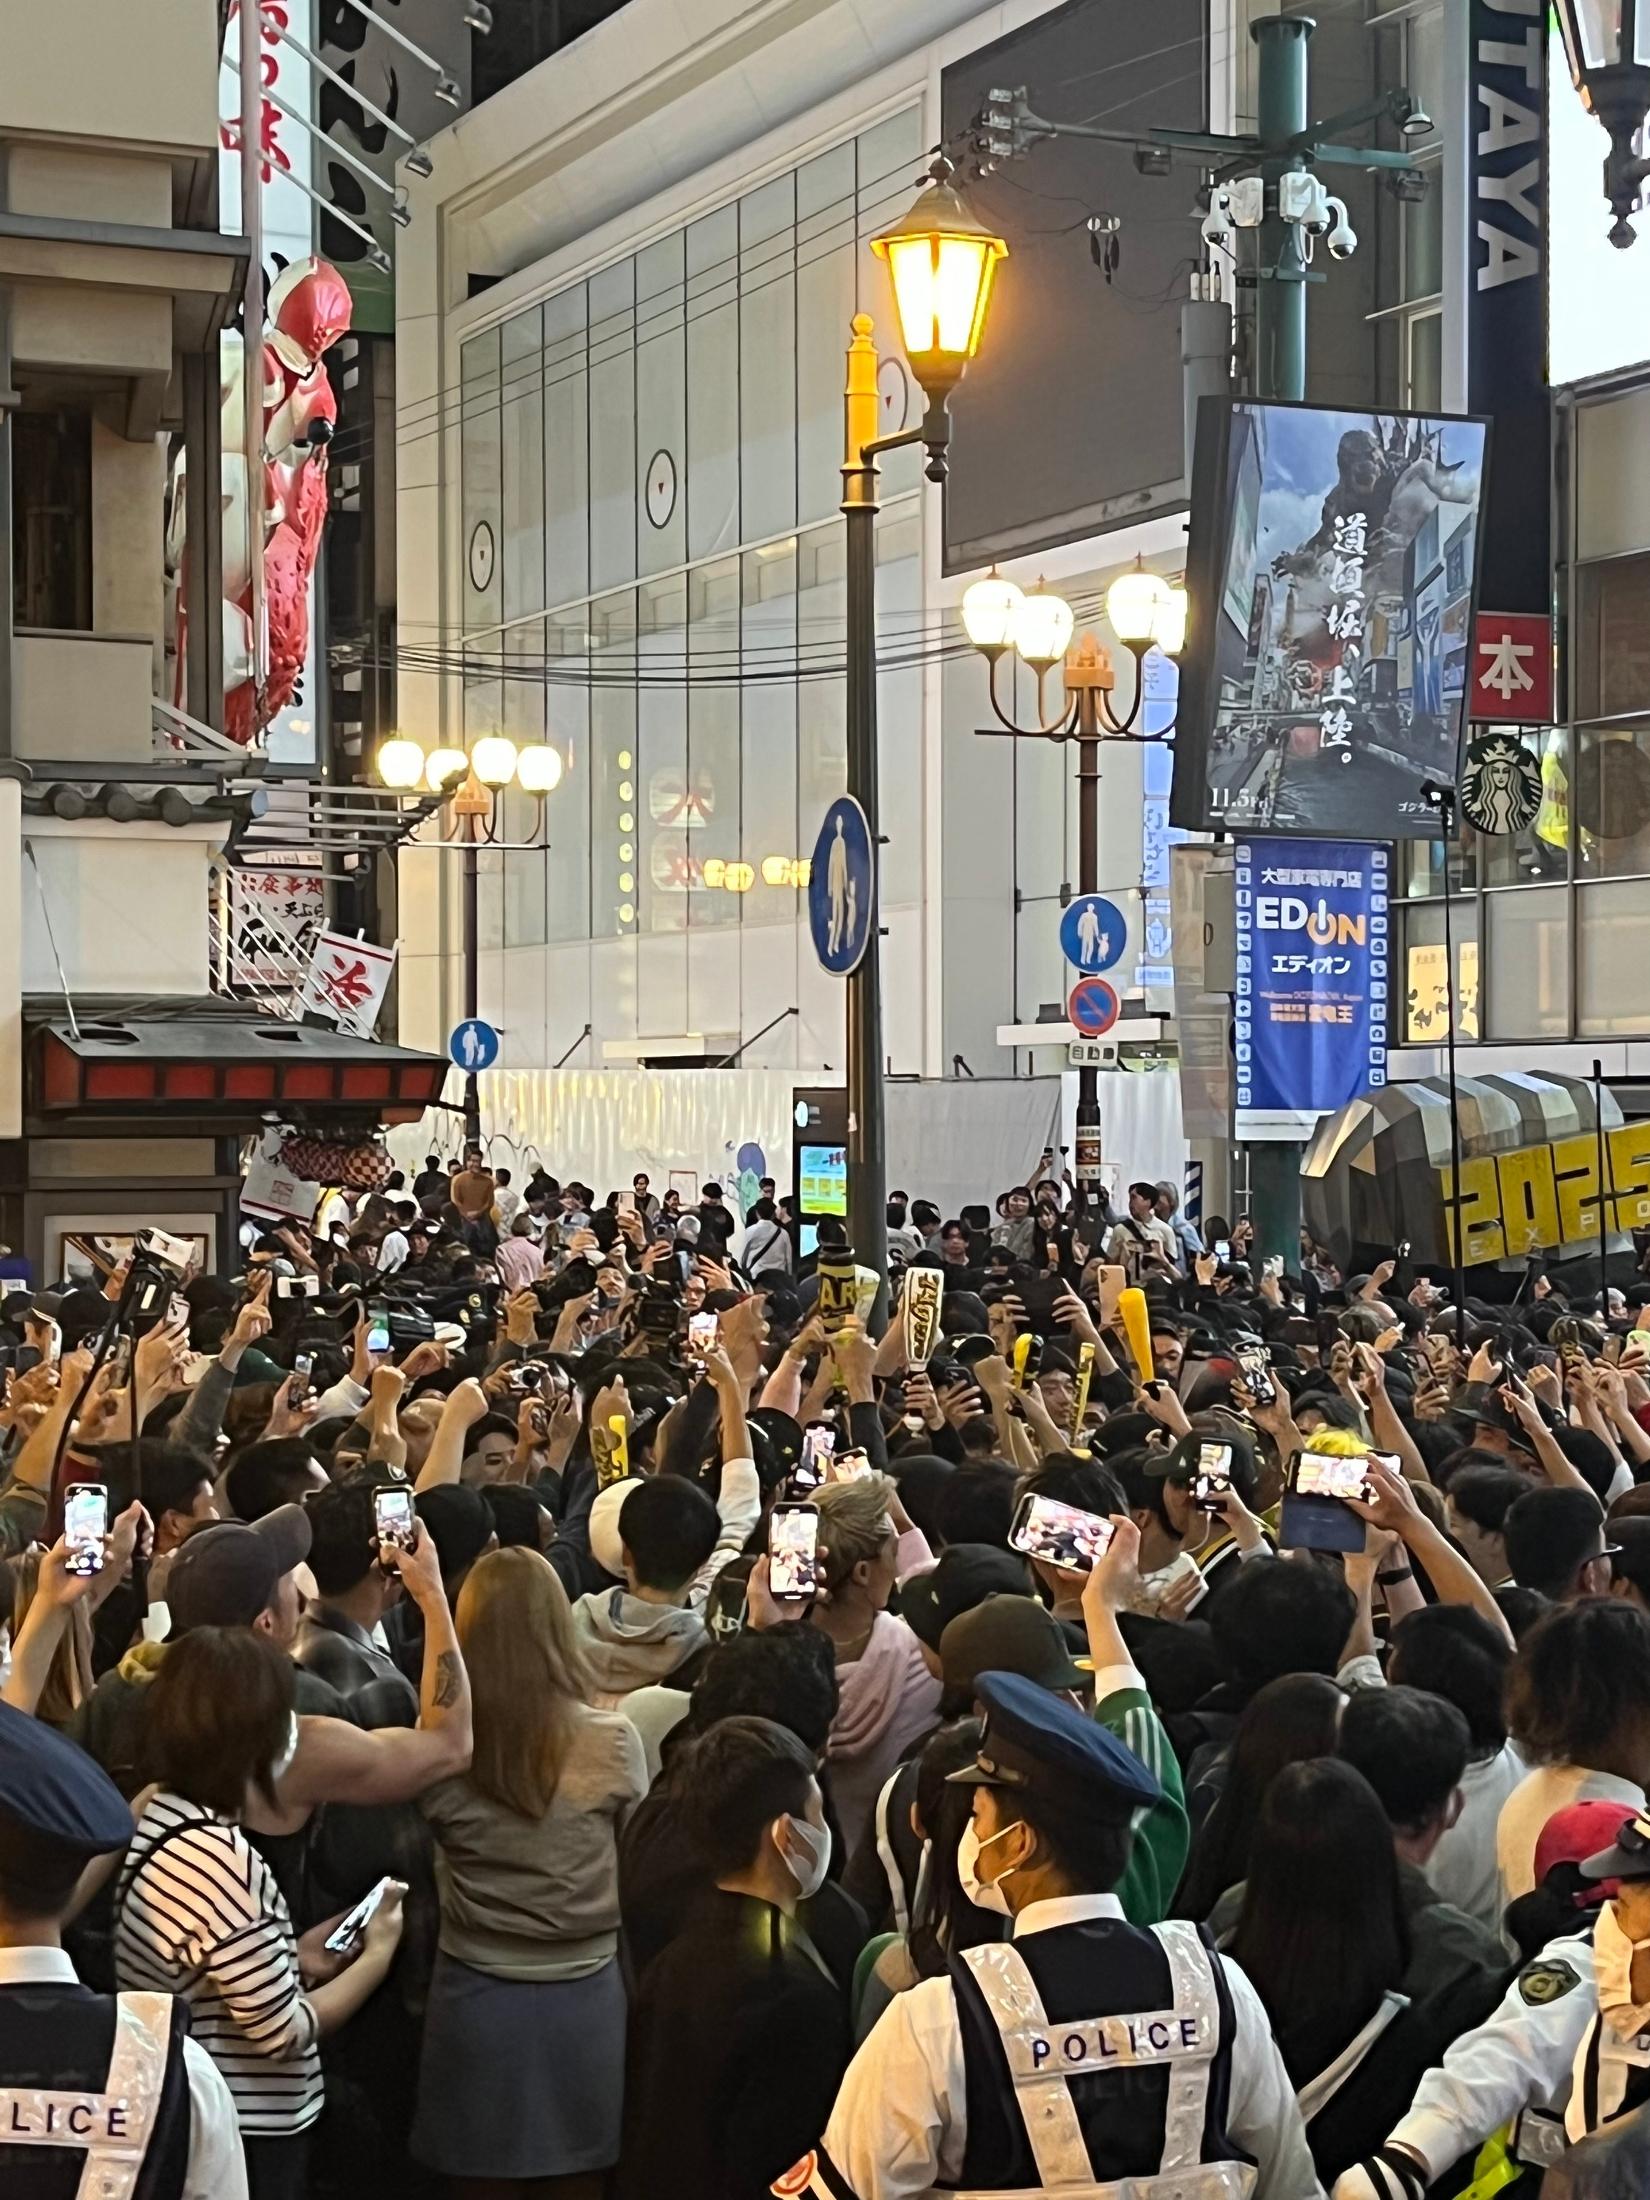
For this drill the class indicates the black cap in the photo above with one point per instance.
(966, 1575)
(225, 1574)
(458, 1518)
(1008, 1634)
(1035, 1740)
(51, 1788)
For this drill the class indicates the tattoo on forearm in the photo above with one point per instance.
(449, 1679)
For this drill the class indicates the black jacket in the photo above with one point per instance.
(738, 2041)
(344, 1655)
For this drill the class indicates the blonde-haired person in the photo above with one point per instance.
(521, 2080)
(889, 1699)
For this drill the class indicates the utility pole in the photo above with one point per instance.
(1270, 185)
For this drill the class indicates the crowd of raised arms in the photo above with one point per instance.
(579, 1696)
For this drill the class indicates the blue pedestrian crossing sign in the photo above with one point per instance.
(1093, 934)
(842, 888)
(473, 1046)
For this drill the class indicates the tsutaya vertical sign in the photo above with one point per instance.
(1506, 213)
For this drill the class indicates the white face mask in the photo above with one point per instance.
(806, 1849)
(985, 1894)
(1613, 1956)
(5, 1653)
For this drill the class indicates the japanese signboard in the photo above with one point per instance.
(1512, 668)
(347, 982)
(1331, 570)
(1312, 981)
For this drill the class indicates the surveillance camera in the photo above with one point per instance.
(1217, 222)
(1302, 198)
(1343, 238)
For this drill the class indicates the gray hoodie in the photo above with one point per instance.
(630, 1643)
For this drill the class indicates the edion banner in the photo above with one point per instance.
(1313, 972)
(1332, 571)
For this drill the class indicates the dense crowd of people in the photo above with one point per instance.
(524, 1692)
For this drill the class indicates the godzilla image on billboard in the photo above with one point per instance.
(1332, 568)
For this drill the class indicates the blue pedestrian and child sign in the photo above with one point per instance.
(473, 1046)
(842, 888)
(1093, 934)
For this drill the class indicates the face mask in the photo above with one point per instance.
(806, 1849)
(1613, 1956)
(5, 1655)
(283, 1762)
(985, 1894)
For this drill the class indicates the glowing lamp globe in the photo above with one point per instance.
(443, 765)
(493, 760)
(539, 768)
(989, 610)
(400, 764)
(1042, 628)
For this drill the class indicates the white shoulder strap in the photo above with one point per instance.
(137, 2071)
(1040, 2088)
(1197, 2015)
(1319, 2091)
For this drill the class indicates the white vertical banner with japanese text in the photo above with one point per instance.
(347, 981)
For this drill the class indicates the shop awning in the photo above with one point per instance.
(226, 1071)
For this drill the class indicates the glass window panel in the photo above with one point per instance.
(614, 806)
(1541, 850)
(484, 714)
(566, 448)
(1424, 236)
(899, 703)
(1426, 995)
(713, 383)
(479, 458)
(613, 425)
(1612, 801)
(567, 691)
(889, 160)
(1611, 642)
(821, 730)
(1426, 362)
(1421, 866)
(713, 788)
(664, 809)
(768, 729)
(1612, 955)
(825, 298)
(1527, 993)
(767, 359)
(522, 420)
(661, 406)
(524, 868)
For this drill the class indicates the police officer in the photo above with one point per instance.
(101, 2095)
(1085, 2054)
(1566, 2052)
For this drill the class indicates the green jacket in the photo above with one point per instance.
(1162, 1831)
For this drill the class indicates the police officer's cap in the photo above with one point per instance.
(1036, 1741)
(51, 1788)
(1628, 1857)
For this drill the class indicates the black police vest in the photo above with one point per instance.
(1101, 1968)
(57, 2040)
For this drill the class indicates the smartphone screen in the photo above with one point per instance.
(818, 1450)
(396, 1520)
(378, 1330)
(1320, 1474)
(793, 1547)
(1213, 1477)
(1223, 1248)
(349, 1929)
(302, 1363)
(85, 1524)
(625, 1203)
(1257, 1373)
(1060, 1535)
(701, 1335)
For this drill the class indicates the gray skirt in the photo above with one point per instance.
(520, 2077)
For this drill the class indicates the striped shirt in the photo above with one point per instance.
(199, 1914)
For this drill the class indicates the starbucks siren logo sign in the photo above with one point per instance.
(1500, 785)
